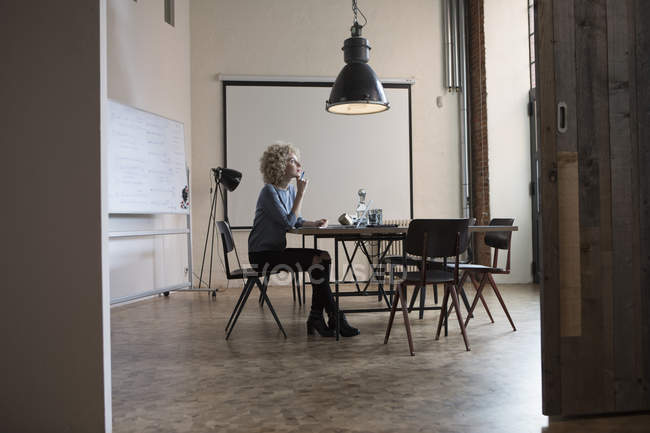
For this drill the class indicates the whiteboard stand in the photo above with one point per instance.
(182, 287)
(186, 286)
(147, 170)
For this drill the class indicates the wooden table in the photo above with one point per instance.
(359, 235)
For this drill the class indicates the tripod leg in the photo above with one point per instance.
(214, 227)
(207, 235)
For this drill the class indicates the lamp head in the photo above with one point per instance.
(357, 90)
(227, 177)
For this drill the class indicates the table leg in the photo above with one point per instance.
(350, 259)
(350, 267)
(380, 282)
(380, 285)
(303, 272)
(366, 253)
(336, 284)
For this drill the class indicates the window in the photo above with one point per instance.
(531, 41)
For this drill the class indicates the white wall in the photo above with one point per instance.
(52, 319)
(507, 80)
(149, 68)
(304, 38)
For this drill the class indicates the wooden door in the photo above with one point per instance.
(593, 78)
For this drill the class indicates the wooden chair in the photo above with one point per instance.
(421, 291)
(390, 262)
(249, 275)
(430, 239)
(497, 241)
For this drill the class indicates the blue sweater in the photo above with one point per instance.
(273, 217)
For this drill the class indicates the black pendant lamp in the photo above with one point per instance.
(357, 90)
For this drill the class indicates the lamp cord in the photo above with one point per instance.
(355, 10)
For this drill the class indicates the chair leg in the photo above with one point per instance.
(503, 304)
(479, 292)
(446, 324)
(295, 286)
(241, 307)
(423, 295)
(461, 288)
(391, 283)
(463, 296)
(435, 294)
(260, 285)
(414, 295)
(391, 317)
(405, 312)
(268, 302)
(487, 310)
(241, 296)
(454, 297)
(301, 299)
(485, 305)
(443, 311)
(375, 274)
(382, 294)
(263, 287)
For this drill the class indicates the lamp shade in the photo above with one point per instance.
(357, 90)
(227, 177)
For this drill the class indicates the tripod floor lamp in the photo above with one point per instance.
(230, 179)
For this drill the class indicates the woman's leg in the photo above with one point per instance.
(322, 294)
(318, 264)
(319, 272)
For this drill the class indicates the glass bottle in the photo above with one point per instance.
(361, 207)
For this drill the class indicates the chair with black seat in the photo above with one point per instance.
(249, 275)
(405, 261)
(390, 262)
(431, 239)
(497, 240)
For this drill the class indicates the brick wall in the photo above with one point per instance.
(480, 175)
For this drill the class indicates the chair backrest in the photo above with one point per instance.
(226, 236)
(499, 240)
(228, 245)
(441, 237)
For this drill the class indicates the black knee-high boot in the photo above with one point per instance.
(316, 322)
(344, 327)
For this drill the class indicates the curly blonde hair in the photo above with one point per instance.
(273, 162)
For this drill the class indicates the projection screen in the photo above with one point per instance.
(340, 154)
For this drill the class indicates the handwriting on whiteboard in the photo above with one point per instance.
(146, 162)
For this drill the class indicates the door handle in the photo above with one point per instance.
(562, 125)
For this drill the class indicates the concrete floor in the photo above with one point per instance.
(174, 372)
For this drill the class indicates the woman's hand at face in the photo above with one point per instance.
(301, 186)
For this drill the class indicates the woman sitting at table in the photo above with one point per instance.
(278, 210)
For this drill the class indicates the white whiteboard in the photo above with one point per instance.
(340, 154)
(146, 162)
